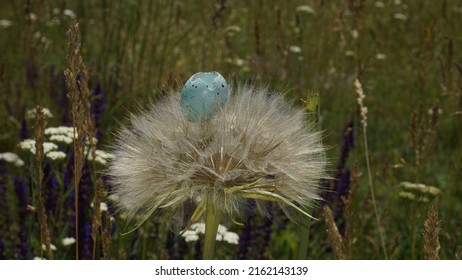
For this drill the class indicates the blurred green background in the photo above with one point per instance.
(407, 55)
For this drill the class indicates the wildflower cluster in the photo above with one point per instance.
(12, 158)
(56, 136)
(222, 234)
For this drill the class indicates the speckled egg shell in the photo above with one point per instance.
(203, 94)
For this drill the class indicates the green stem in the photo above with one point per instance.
(305, 225)
(212, 220)
(414, 233)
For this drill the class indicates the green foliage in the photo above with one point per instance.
(404, 52)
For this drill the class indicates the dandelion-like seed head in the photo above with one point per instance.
(255, 147)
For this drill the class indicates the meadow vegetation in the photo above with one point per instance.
(406, 55)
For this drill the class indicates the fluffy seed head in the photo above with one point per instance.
(256, 147)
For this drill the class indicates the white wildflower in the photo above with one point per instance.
(295, 49)
(191, 238)
(93, 142)
(350, 53)
(101, 157)
(46, 112)
(67, 241)
(380, 4)
(199, 228)
(60, 130)
(56, 155)
(380, 56)
(305, 9)
(4, 23)
(32, 17)
(190, 235)
(12, 158)
(431, 111)
(104, 155)
(102, 206)
(222, 229)
(29, 145)
(231, 237)
(52, 247)
(400, 16)
(48, 147)
(37, 35)
(355, 33)
(239, 62)
(61, 138)
(69, 13)
(53, 22)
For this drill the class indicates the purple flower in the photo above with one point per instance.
(86, 241)
(69, 172)
(343, 189)
(53, 192)
(85, 193)
(24, 133)
(97, 108)
(21, 189)
(4, 206)
(347, 144)
(334, 189)
(264, 235)
(170, 246)
(247, 238)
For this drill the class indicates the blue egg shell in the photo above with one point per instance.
(203, 94)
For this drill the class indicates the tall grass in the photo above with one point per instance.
(406, 54)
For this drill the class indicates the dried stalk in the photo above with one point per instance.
(45, 239)
(77, 84)
(106, 238)
(334, 235)
(432, 230)
(348, 213)
(96, 220)
(363, 111)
